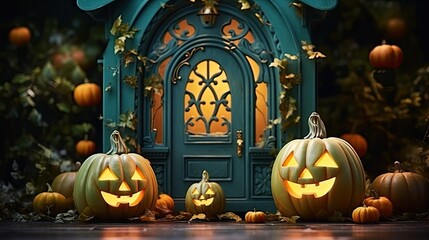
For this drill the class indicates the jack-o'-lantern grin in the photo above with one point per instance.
(115, 200)
(317, 189)
(305, 184)
(125, 197)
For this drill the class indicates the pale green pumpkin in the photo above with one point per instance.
(316, 177)
(205, 197)
(115, 185)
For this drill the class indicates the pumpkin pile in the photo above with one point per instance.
(316, 177)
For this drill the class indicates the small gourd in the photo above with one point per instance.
(365, 214)
(164, 205)
(50, 203)
(383, 204)
(255, 216)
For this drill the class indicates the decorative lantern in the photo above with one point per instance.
(205, 197)
(115, 185)
(317, 176)
(208, 13)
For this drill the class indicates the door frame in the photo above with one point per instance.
(182, 59)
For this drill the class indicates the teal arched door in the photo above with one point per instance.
(208, 127)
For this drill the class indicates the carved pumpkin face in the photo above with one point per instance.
(205, 197)
(308, 176)
(115, 185)
(125, 196)
(316, 176)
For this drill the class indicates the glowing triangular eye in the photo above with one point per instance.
(196, 192)
(107, 175)
(290, 161)
(138, 175)
(210, 192)
(326, 160)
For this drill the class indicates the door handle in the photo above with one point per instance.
(240, 143)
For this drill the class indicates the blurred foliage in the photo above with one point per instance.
(390, 111)
(40, 123)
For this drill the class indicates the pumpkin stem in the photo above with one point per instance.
(49, 187)
(316, 126)
(205, 176)
(374, 194)
(117, 144)
(77, 165)
(398, 168)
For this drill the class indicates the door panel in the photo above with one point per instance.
(208, 111)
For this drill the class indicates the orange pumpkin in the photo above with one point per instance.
(408, 191)
(383, 204)
(20, 36)
(164, 205)
(255, 216)
(50, 203)
(87, 94)
(365, 214)
(357, 141)
(386, 56)
(85, 147)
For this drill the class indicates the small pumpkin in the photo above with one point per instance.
(115, 185)
(50, 203)
(383, 204)
(408, 191)
(85, 147)
(205, 197)
(255, 216)
(366, 214)
(386, 56)
(317, 176)
(20, 36)
(357, 141)
(87, 94)
(164, 205)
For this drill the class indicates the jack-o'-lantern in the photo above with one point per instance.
(115, 185)
(205, 197)
(317, 176)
